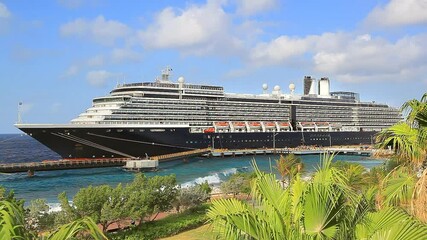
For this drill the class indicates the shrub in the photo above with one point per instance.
(171, 225)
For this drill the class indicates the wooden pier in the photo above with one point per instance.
(53, 165)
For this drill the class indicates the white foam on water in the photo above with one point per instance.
(54, 207)
(213, 179)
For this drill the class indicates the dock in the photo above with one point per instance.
(31, 167)
(136, 163)
(63, 164)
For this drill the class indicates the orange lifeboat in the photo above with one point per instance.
(221, 124)
(239, 125)
(254, 124)
(284, 124)
(209, 130)
(322, 124)
(307, 124)
(269, 124)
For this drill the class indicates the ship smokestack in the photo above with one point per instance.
(324, 87)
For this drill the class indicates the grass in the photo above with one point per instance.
(201, 233)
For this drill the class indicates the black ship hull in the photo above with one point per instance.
(118, 142)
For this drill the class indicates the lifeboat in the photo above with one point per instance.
(307, 124)
(221, 124)
(284, 124)
(254, 124)
(239, 124)
(269, 125)
(322, 124)
(209, 130)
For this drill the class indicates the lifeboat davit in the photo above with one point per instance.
(209, 130)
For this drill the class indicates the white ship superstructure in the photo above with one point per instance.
(203, 106)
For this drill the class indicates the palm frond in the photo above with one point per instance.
(404, 140)
(397, 187)
(234, 219)
(390, 223)
(82, 226)
(12, 222)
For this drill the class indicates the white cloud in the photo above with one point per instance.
(250, 7)
(4, 12)
(99, 78)
(119, 55)
(399, 13)
(197, 29)
(96, 61)
(367, 58)
(347, 56)
(280, 49)
(99, 30)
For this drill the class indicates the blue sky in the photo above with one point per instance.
(55, 56)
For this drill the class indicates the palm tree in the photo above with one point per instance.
(12, 225)
(408, 138)
(323, 208)
(289, 167)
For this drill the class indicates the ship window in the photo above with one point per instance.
(119, 130)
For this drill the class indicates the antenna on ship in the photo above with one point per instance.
(165, 75)
(19, 112)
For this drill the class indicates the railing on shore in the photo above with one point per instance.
(61, 164)
(297, 151)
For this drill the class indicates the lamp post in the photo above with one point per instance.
(213, 141)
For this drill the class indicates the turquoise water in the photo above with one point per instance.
(49, 184)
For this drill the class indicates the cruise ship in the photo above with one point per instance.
(140, 120)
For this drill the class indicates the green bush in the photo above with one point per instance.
(168, 226)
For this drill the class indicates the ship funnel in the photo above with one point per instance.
(324, 87)
(313, 87)
(309, 85)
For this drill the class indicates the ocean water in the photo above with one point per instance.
(48, 184)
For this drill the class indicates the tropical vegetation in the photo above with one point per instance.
(339, 201)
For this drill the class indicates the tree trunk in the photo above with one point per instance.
(155, 216)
